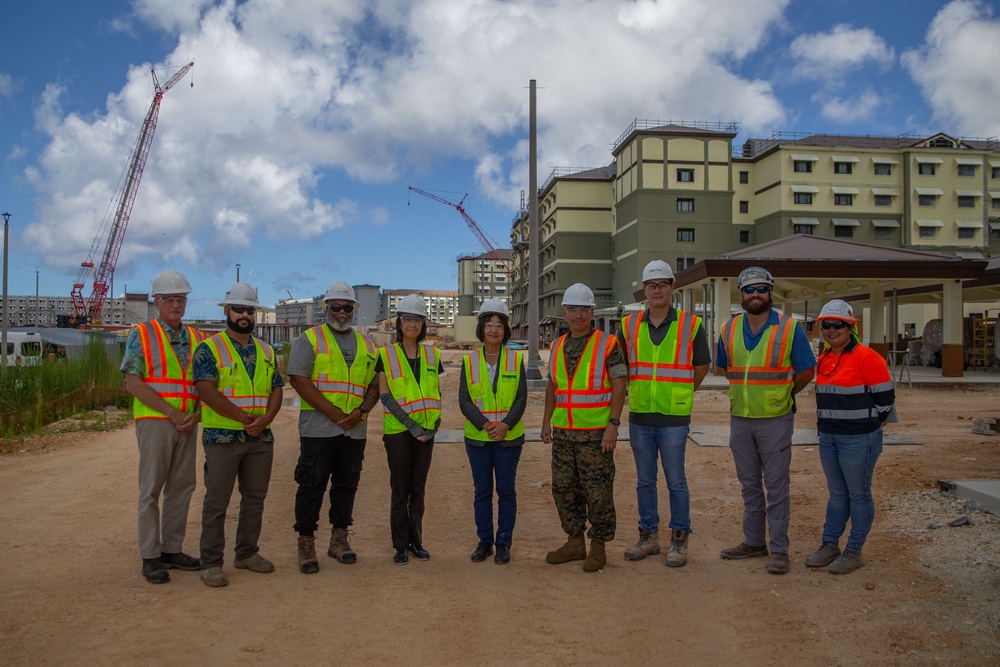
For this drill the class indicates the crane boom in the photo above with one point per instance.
(91, 306)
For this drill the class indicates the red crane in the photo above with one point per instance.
(89, 309)
(488, 244)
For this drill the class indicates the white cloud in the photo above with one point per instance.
(6, 85)
(833, 54)
(859, 108)
(956, 68)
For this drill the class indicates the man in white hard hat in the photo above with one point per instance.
(581, 420)
(668, 357)
(236, 379)
(332, 368)
(157, 366)
(767, 359)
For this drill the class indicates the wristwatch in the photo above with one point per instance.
(364, 414)
(616, 422)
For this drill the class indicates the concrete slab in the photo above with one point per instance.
(718, 436)
(985, 492)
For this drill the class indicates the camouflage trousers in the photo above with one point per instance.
(583, 480)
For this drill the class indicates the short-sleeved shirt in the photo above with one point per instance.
(204, 367)
(616, 364)
(134, 362)
(802, 354)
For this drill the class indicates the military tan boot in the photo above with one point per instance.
(574, 549)
(307, 555)
(340, 548)
(597, 558)
(648, 545)
(678, 554)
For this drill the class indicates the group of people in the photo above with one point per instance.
(658, 361)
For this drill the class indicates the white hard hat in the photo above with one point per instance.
(838, 309)
(493, 307)
(412, 304)
(657, 270)
(240, 294)
(340, 291)
(578, 294)
(754, 275)
(170, 282)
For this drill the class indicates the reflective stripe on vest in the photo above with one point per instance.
(421, 401)
(344, 387)
(235, 384)
(760, 381)
(661, 376)
(583, 402)
(493, 406)
(164, 374)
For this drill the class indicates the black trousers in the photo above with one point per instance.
(337, 460)
(409, 462)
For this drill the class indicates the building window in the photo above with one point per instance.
(843, 167)
(682, 263)
(966, 233)
(882, 169)
(744, 236)
(883, 233)
(995, 173)
(843, 200)
(685, 205)
(926, 169)
(802, 229)
(926, 200)
(744, 206)
(685, 175)
(995, 202)
(966, 170)
(843, 231)
(803, 197)
(745, 176)
(883, 200)
(803, 166)
(928, 232)
(966, 202)
(685, 236)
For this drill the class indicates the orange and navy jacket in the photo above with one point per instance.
(854, 391)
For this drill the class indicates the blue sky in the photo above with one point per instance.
(308, 119)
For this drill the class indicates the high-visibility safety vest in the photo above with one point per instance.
(760, 382)
(164, 374)
(661, 377)
(420, 400)
(583, 402)
(344, 387)
(493, 406)
(250, 395)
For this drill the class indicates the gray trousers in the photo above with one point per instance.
(167, 467)
(762, 451)
(225, 464)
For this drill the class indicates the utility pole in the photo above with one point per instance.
(6, 233)
(534, 248)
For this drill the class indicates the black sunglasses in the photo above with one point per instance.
(240, 310)
(759, 289)
(334, 308)
(836, 324)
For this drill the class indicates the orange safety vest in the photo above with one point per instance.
(164, 374)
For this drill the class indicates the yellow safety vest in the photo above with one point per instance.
(251, 396)
(421, 401)
(344, 387)
(661, 377)
(164, 374)
(583, 402)
(493, 406)
(760, 382)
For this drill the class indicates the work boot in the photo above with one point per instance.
(574, 549)
(678, 554)
(340, 548)
(825, 555)
(154, 571)
(214, 577)
(742, 551)
(597, 558)
(181, 561)
(848, 561)
(778, 563)
(307, 555)
(255, 563)
(648, 545)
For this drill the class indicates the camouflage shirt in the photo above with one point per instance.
(617, 366)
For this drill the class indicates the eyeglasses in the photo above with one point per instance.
(835, 324)
(174, 300)
(659, 286)
(759, 289)
(411, 319)
(493, 326)
(334, 308)
(240, 310)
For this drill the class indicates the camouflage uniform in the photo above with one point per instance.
(582, 475)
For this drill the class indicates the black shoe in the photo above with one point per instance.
(400, 557)
(180, 561)
(419, 552)
(154, 571)
(503, 555)
(482, 552)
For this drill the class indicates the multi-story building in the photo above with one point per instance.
(369, 309)
(481, 277)
(44, 311)
(442, 305)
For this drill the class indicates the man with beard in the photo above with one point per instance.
(767, 359)
(332, 368)
(236, 379)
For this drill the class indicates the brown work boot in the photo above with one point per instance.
(648, 545)
(597, 558)
(778, 564)
(574, 549)
(307, 555)
(742, 551)
(340, 548)
(678, 554)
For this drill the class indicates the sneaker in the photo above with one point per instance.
(180, 561)
(400, 557)
(847, 562)
(154, 571)
(482, 552)
(648, 545)
(214, 577)
(744, 550)
(825, 555)
(255, 563)
(678, 554)
(419, 552)
(778, 564)
(503, 555)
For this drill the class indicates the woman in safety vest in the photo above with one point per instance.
(408, 383)
(492, 394)
(854, 397)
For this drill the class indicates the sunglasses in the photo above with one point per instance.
(759, 289)
(659, 286)
(333, 308)
(240, 310)
(836, 324)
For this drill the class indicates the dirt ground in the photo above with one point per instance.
(70, 587)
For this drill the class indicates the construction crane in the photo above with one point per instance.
(484, 240)
(89, 309)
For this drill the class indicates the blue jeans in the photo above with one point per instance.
(666, 443)
(488, 461)
(849, 461)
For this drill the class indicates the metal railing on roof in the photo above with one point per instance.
(647, 123)
(755, 147)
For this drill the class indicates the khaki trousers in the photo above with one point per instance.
(167, 468)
